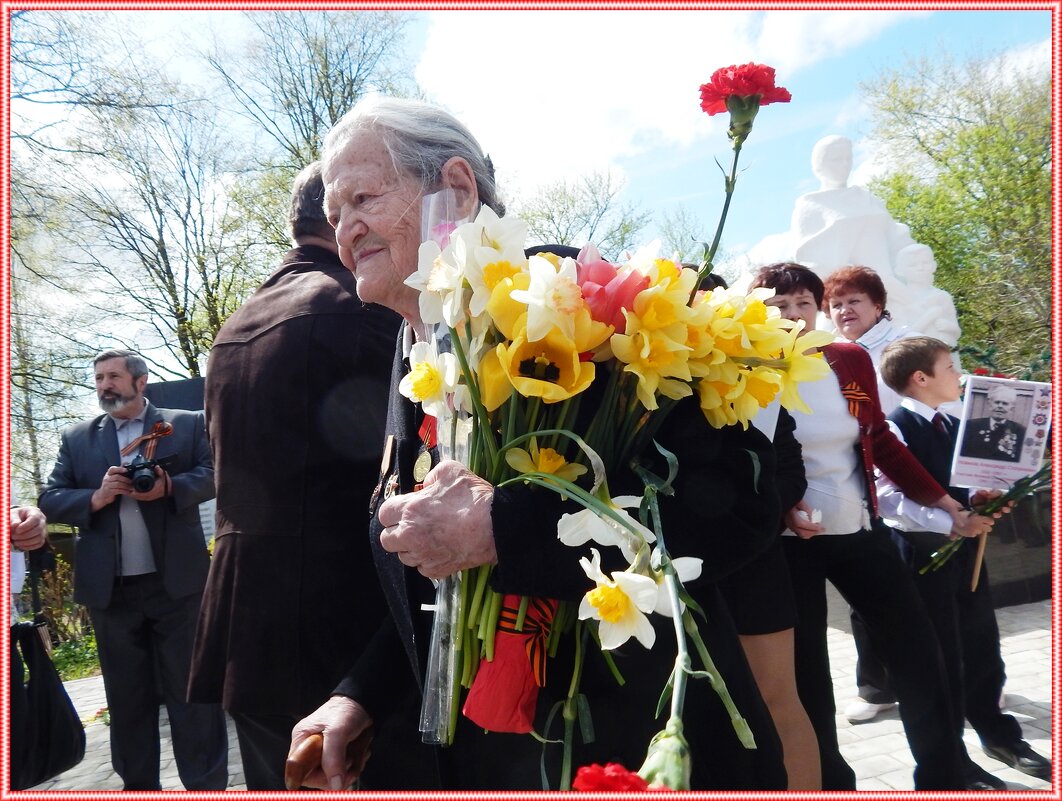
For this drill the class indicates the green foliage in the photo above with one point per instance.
(67, 621)
(969, 149)
(77, 659)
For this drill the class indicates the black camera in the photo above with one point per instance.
(141, 472)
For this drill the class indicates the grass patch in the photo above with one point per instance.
(76, 659)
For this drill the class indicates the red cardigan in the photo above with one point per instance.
(877, 444)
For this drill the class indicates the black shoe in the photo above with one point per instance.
(1020, 756)
(977, 778)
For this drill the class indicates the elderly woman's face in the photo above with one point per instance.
(854, 313)
(376, 213)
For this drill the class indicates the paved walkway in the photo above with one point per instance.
(877, 750)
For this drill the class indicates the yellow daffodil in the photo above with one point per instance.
(656, 357)
(432, 376)
(488, 251)
(666, 302)
(542, 460)
(495, 388)
(503, 310)
(548, 368)
(620, 603)
(587, 525)
(801, 363)
(744, 324)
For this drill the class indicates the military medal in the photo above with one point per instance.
(422, 466)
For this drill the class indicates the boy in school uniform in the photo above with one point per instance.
(922, 371)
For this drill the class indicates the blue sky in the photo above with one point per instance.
(578, 91)
(552, 94)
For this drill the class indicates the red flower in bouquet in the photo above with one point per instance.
(743, 81)
(607, 293)
(612, 777)
(741, 90)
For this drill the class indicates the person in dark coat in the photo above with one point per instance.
(379, 161)
(140, 563)
(296, 389)
(997, 436)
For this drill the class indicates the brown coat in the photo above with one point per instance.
(296, 392)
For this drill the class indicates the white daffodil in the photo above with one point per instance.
(432, 377)
(588, 526)
(620, 604)
(440, 284)
(687, 568)
(487, 250)
(552, 298)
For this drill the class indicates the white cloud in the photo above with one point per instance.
(580, 89)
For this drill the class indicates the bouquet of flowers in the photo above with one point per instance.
(1017, 492)
(518, 342)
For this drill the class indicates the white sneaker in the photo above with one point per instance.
(860, 711)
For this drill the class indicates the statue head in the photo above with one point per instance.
(831, 161)
(915, 264)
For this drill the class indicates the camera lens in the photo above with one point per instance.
(144, 480)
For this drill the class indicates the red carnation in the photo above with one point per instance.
(741, 91)
(741, 81)
(609, 778)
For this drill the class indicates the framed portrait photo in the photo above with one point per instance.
(1003, 432)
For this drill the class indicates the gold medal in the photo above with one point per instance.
(422, 466)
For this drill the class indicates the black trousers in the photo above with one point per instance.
(867, 570)
(144, 639)
(966, 626)
(264, 744)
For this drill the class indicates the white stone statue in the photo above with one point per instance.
(924, 307)
(841, 225)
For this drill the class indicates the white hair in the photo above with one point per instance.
(420, 138)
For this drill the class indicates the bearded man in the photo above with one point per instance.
(140, 565)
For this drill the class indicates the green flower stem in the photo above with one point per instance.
(482, 574)
(682, 655)
(490, 628)
(1021, 489)
(739, 723)
(571, 710)
(521, 613)
(479, 412)
(729, 182)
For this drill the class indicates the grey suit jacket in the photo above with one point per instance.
(86, 451)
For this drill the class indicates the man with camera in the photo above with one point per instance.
(131, 480)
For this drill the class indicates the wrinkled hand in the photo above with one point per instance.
(798, 520)
(443, 528)
(159, 489)
(340, 721)
(970, 524)
(29, 528)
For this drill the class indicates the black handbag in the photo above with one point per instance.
(47, 736)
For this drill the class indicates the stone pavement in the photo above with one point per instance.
(876, 750)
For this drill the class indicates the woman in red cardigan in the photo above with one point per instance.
(829, 538)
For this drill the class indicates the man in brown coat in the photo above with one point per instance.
(296, 393)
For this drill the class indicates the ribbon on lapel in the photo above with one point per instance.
(160, 429)
(855, 395)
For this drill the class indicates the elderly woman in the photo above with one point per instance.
(829, 538)
(855, 298)
(379, 161)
